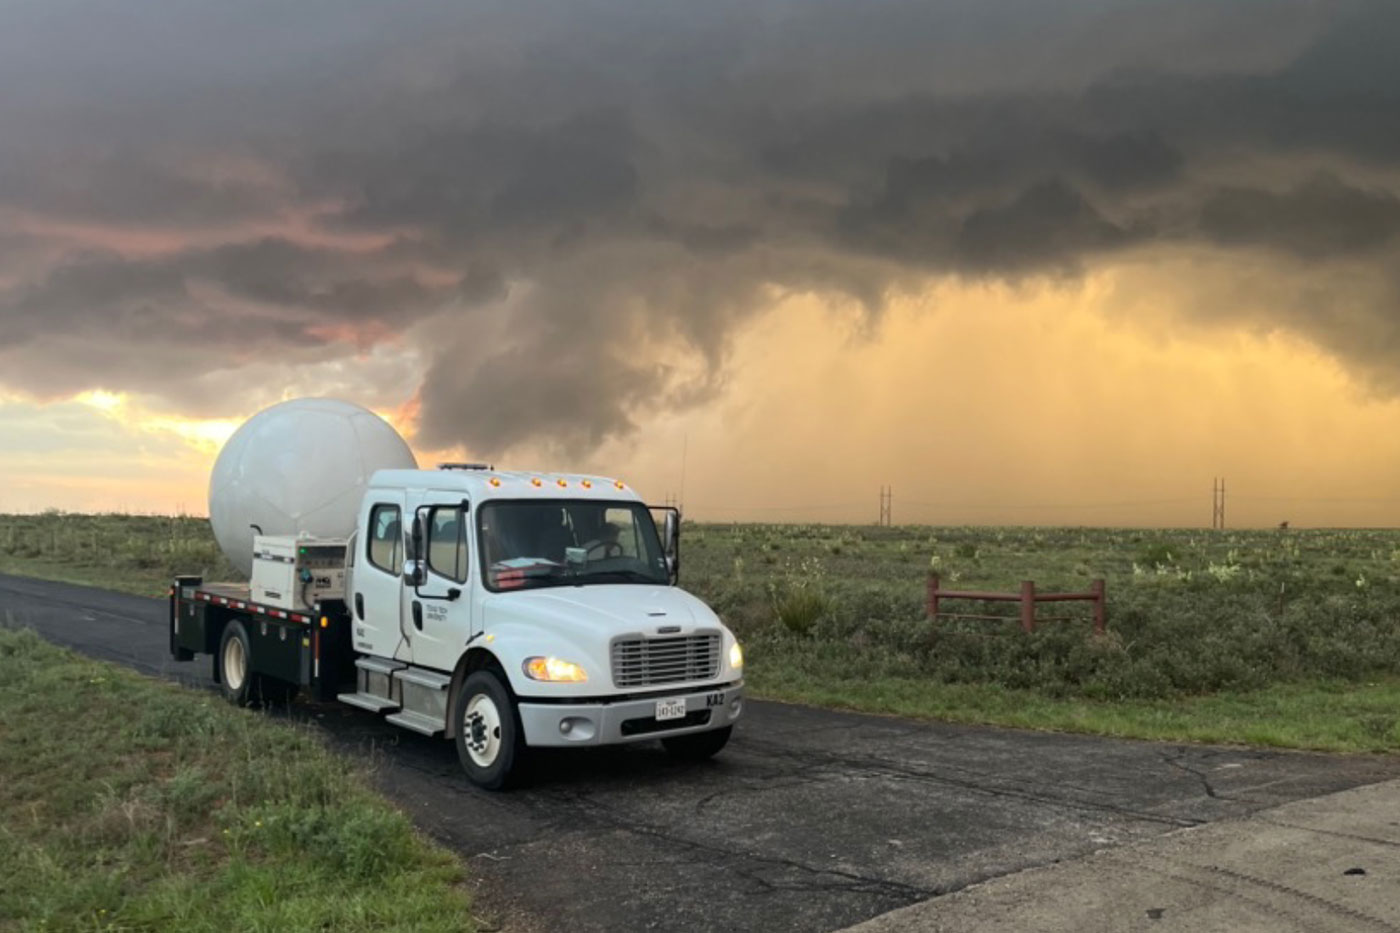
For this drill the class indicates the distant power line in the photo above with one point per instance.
(958, 505)
(983, 504)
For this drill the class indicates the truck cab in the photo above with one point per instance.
(506, 610)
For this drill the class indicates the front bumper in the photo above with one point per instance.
(611, 723)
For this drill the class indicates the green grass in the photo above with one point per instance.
(128, 803)
(1268, 637)
(1264, 637)
(1321, 716)
(137, 554)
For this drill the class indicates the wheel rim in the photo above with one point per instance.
(235, 663)
(481, 728)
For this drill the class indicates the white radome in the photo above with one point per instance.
(298, 468)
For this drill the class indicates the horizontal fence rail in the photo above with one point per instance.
(1028, 597)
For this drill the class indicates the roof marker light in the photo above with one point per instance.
(562, 484)
(587, 484)
(618, 484)
(495, 481)
(535, 481)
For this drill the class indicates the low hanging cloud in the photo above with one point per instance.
(570, 208)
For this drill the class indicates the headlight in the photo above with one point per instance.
(736, 656)
(554, 669)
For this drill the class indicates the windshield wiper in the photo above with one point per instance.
(630, 576)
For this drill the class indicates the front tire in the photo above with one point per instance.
(698, 745)
(488, 730)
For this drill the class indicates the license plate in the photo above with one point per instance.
(670, 709)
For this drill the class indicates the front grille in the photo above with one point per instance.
(649, 724)
(641, 662)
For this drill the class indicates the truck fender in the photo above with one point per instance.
(474, 660)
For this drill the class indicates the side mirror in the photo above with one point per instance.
(413, 573)
(671, 532)
(417, 537)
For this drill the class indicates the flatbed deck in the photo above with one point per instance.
(236, 596)
(305, 648)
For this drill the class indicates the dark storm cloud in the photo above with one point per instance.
(578, 203)
(145, 324)
(1318, 218)
(126, 188)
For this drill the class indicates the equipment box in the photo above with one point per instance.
(296, 573)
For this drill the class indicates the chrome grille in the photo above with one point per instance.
(640, 662)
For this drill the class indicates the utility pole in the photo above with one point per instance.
(886, 500)
(685, 449)
(1217, 503)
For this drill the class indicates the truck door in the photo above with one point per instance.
(377, 599)
(441, 621)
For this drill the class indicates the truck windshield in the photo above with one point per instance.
(565, 542)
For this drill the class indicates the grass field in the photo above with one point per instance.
(133, 804)
(1269, 637)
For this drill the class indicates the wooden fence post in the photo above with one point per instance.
(1100, 610)
(1028, 606)
(933, 597)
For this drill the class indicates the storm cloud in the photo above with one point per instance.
(569, 209)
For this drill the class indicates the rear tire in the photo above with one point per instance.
(236, 677)
(488, 731)
(698, 745)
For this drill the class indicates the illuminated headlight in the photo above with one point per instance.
(736, 656)
(554, 669)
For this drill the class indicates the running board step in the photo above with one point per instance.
(424, 697)
(374, 685)
(427, 725)
(375, 704)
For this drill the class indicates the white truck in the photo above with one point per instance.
(501, 610)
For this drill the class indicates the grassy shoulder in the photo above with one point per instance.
(1328, 716)
(128, 803)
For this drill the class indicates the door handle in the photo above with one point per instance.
(418, 615)
(360, 606)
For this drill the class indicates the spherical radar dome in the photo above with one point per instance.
(300, 467)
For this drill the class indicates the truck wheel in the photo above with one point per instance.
(236, 665)
(698, 745)
(488, 733)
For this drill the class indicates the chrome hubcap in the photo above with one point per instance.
(481, 728)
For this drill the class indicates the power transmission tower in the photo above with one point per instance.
(886, 500)
(1217, 503)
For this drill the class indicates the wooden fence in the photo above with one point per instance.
(1028, 597)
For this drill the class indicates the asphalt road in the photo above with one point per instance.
(809, 820)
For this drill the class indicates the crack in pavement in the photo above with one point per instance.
(1178, 763)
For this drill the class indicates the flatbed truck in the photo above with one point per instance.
(500, 610)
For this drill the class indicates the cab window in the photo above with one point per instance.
(447, 543)
(620, 532)
(385, 540)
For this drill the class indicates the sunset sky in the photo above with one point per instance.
(1025, 262)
